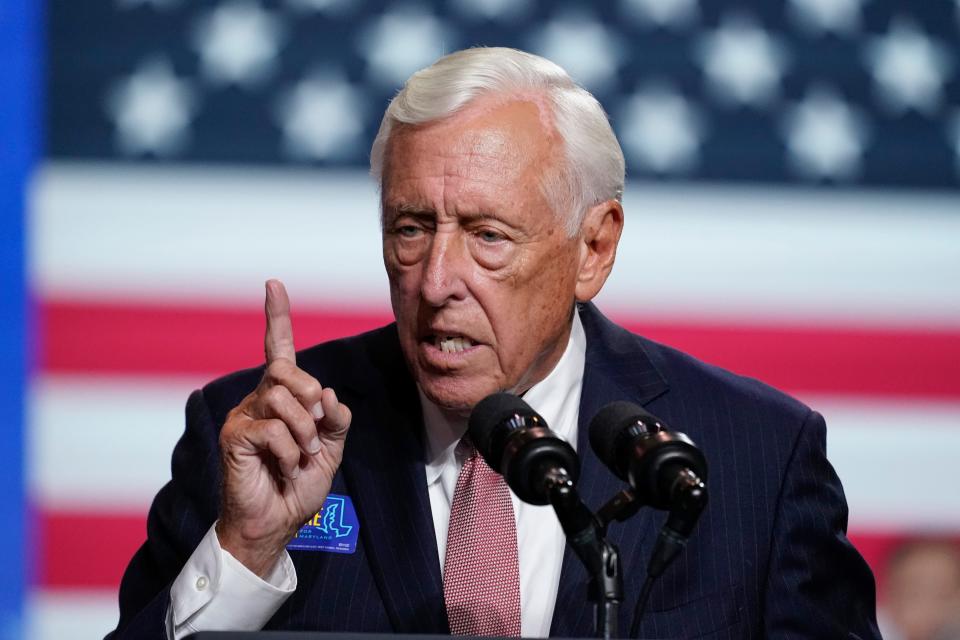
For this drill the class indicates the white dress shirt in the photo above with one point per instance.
(215, 592)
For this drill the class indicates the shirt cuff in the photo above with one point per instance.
(216, 592)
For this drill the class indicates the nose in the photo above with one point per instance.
(444, 274)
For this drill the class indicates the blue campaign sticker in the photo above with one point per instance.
(334, 528)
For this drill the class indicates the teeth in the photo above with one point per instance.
(453, 344)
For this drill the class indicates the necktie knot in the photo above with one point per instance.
(465, 449)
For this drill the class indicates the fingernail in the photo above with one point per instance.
(295, 473)
(314, 445)
(317, 412)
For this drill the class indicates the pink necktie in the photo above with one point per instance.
(481, 575)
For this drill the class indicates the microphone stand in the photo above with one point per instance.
(587, 536)
(691, 493)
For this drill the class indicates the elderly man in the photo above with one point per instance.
(501, 182)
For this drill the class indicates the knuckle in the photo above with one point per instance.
(313, 389)
(277, 370)
(274, 429)
(275, 396)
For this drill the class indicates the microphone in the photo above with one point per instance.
(517, 443)
(665, 469)
(542, 468)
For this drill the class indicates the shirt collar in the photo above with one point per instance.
(553, 398)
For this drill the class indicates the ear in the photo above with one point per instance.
(599, 235)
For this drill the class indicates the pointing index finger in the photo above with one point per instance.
(278, 339)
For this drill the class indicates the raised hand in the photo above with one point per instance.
(279, 449)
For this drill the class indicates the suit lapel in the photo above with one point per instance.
(384, 470)
(616, 368)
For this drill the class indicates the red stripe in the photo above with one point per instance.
(142, 339)
(169, 339)
(90, 550)
(83, 549)
(902, 362)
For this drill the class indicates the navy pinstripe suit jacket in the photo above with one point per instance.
(769, 557)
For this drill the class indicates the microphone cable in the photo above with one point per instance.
(641, 605)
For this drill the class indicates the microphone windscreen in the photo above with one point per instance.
(608, 424)
(490, 412)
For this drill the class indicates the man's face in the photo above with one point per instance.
(482, 274)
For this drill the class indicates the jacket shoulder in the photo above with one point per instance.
(683, 376)
(688, 374)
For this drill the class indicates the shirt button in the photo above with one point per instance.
(202, 583)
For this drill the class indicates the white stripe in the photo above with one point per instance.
(205, 234)
(107, 443)
(758, 252)
(58, 615)
(103, 442)
(897, 461)
(794, 255)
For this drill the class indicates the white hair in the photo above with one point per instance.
(593, 171)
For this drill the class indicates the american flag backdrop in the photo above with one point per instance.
(792, 213)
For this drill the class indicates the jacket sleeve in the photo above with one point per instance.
(818, 585)
(183, 511)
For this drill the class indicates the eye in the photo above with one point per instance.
(490, 236)
(408, 231)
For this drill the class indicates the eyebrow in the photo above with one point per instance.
(428, 213)
(412, 209)
(486, 215)
(408, 209)
(393, 211)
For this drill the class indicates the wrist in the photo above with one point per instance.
(259, 554)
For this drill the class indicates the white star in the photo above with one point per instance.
(503, 10)
(151, 110)
(160, 5)
(662, 13)
(742, 62)
(403, 41)
(322, 117)
(908, 68)
(589, 52)
(661, 130)
(825, 136)
(238, 43)
(827, 16)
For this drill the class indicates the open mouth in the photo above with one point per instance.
(452, 344)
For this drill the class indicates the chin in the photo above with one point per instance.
(453, 394)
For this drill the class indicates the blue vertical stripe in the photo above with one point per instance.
(20, 77)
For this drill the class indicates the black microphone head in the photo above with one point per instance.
(487, 415)
(609, 425)
(641, 450)
(517, 443)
